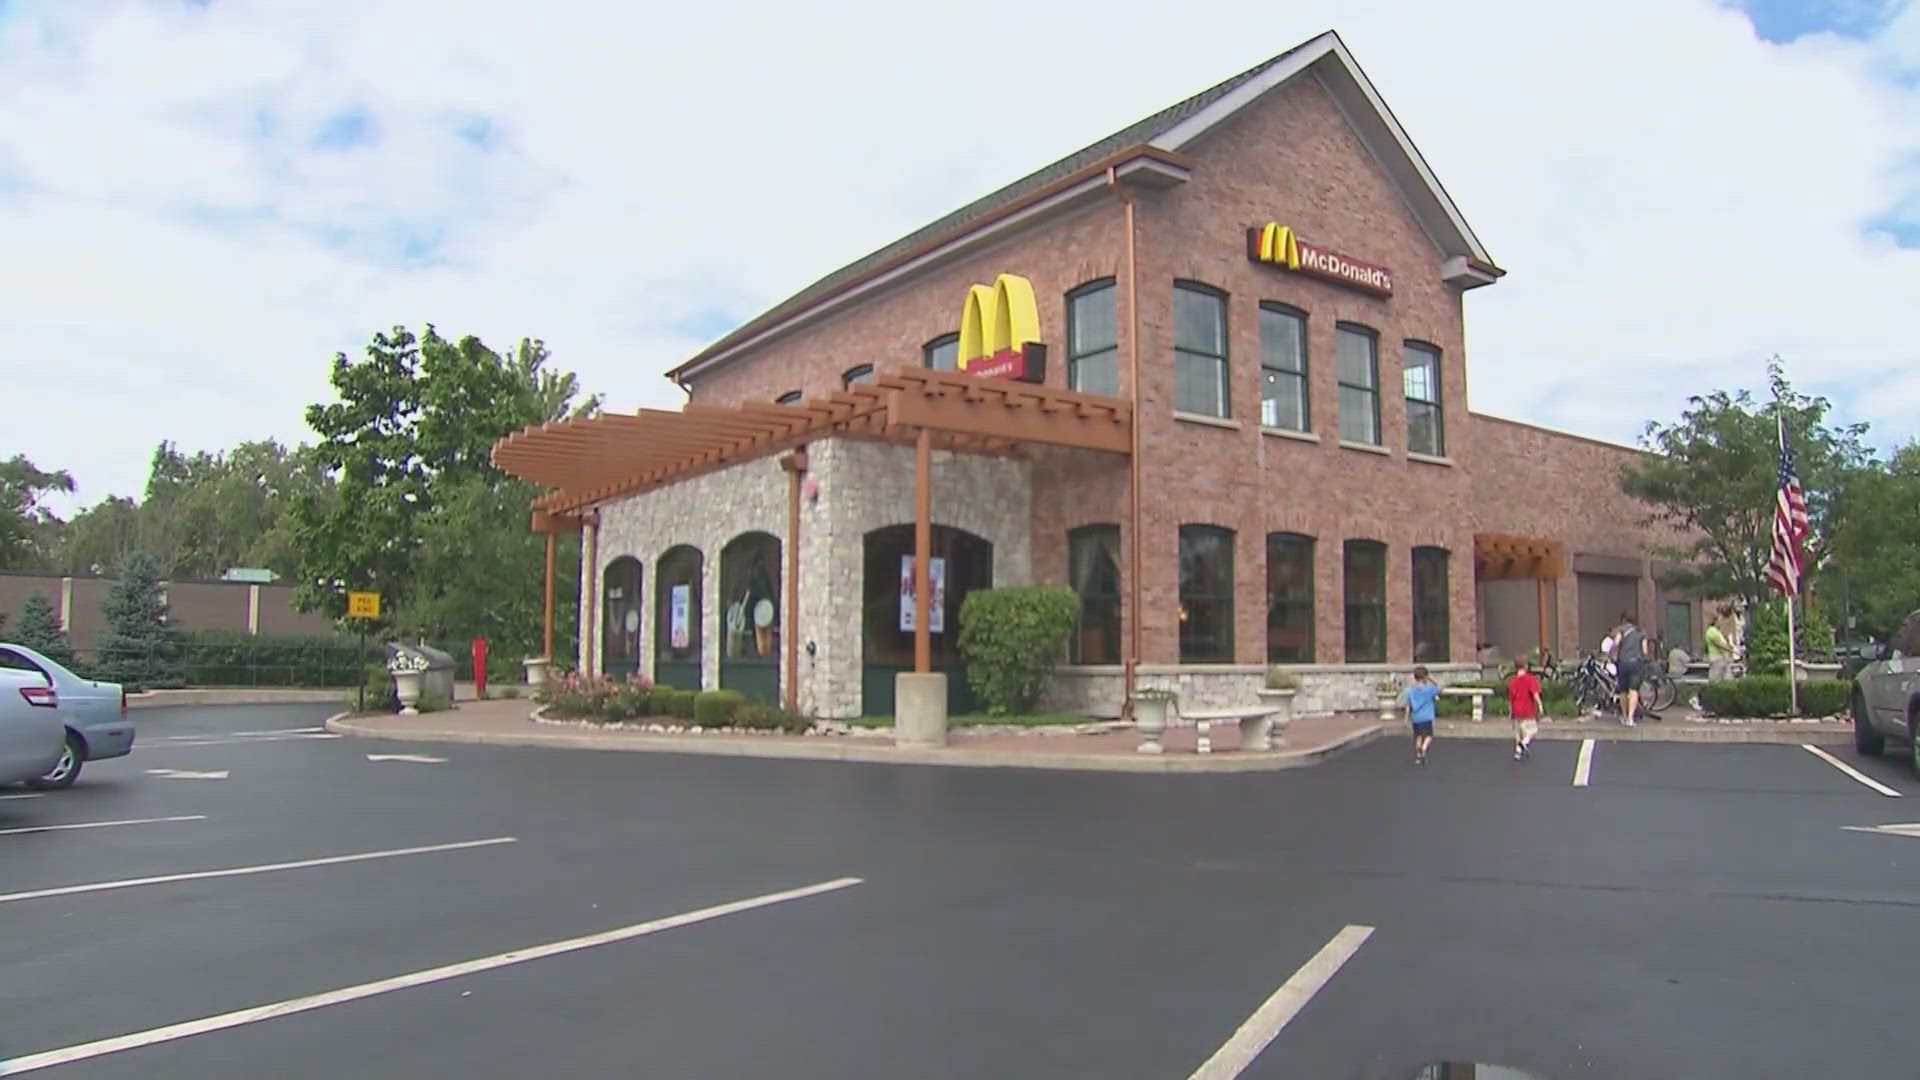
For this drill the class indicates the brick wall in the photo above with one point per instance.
(196, 605)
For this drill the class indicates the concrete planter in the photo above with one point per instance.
(537, 671)
(1150, 718)
(407, 685)
(1282, 702)
(1387, 702)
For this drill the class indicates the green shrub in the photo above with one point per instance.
(1767, 636)
(379, 691)
(1280, 679)
(685, 703)
(1011, 638)
(660, 702)
(760, 717)
(237, 658)
(510, 693)
(1768, 695)
(433, 701)
(716, 708)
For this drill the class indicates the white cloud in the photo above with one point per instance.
(1674, 198)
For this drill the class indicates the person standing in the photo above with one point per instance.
(1631, 653)
(1523, 701)
(1720, 652)
(1419, 700)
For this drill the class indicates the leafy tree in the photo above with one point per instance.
(39, 630)
(1713, 478)
(140, 648)
(24, 521)
(1876, 546)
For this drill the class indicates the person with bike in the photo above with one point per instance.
(1631, 655)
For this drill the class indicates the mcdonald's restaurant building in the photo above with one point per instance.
(1210, 372)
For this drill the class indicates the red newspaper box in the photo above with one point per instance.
(480, 668)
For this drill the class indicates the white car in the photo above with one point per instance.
(32, 737)
(1886, 697)
(92, 715)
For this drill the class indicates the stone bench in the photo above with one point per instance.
(1256, 726)
(1479, 694)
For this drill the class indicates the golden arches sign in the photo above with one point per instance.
(1000, 331)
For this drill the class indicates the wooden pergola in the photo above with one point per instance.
(591, 460)
(1506, 557)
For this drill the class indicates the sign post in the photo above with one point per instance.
(363, 608)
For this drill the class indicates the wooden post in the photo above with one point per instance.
(546, 637)
(922, 549)
(790, 618)
(1540, 594)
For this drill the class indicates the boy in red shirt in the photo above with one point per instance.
(1523, 699)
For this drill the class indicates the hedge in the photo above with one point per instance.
(1011, 638)
(684, 703)
(1768, 695)
(237, 658)
(1556, 696)
(716, 708)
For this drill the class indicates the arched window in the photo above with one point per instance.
(1206, 594)
(676, 634)
(1358, 353)
(620, 593)
(1430, 605)
(1200, 350)
(750, 606)
(859, 373)
(942, 353)
(791, 397)
(1283, 368)
(1093, 568)
(1364, 574)
(1426, 420)
(1289, 598)
(1093, 339)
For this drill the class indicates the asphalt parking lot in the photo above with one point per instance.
(245, 897)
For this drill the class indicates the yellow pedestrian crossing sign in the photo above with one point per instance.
(363, 605)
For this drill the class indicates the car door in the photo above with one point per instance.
(1892, 683)
(31, 734)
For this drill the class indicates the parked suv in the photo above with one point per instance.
(1886, 696)
(92, 715)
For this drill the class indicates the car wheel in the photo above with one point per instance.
(65, 771)
(1866, 741)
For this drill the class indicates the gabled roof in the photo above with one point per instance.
(1163, 136)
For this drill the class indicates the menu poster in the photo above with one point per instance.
(936, 603)
(679, 607)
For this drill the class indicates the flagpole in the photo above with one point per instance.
(1793, 664)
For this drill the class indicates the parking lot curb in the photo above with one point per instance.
(828, 748)
(160, 699)
(1666, 731)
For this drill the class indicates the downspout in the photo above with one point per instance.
(795, 464)
(1136, 615)
(590, 588)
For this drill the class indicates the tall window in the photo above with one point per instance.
(1093, 348)
(1283, 368)
(1430, 604)
(861, 373)
(1093, 566)
(1359, 356)
(1426, 429)
(1289, 598)
(942, 353)
(791, 397)
(1206, 594)
(1200, 349)
(1365, 582)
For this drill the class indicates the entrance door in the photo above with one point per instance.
(621, 618)
(1679, 628)
(750, 617)
(1602, 598)
(965, 563)
(676, 632)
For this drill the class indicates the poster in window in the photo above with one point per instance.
(679, 607)
(936, 602)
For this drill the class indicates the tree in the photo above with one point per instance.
(419, 513)
(39, 630)
(140, 648)
(1874, 572)
(1713, 478)
(24, 521)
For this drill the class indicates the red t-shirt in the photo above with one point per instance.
(1520, 691)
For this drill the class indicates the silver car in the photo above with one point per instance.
(93, 715)
(1886, 697)
(32, 737)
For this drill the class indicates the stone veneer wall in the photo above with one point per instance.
(1324, 689)
(860, 487)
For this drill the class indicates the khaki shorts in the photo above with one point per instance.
(1528, 728)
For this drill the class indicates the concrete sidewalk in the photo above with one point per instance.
(508, 723)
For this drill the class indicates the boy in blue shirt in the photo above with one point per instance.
(1419, 699)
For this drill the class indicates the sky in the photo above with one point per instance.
(202, 201)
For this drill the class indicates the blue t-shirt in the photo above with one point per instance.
(1420, 698)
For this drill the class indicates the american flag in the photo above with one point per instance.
(1789, 525)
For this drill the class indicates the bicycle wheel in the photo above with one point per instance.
(1660, 693)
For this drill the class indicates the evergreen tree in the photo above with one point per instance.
(40, 631)
(140, 648)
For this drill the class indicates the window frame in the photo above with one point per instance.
(1297, 541)
(791, 397)
(927, 351)
(1430, 354)
(858, 373)
(1224, 654)
(1422, 618)
(1223, 362)
(1091, 603)
(1372, 337)
(1376, 607)
(1074, 354)
(1275, 307)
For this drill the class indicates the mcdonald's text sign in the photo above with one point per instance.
(1277, 245)
(1000, 332)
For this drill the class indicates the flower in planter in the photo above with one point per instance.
(1279, 679)
(408, 664)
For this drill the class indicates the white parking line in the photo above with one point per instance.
(191, 740)
(238, 871)
(102, 1047)
(1583, 768)
(1850, 770)
(226, 734)
(1273, 1014)
(28, 795)
(101, 824)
